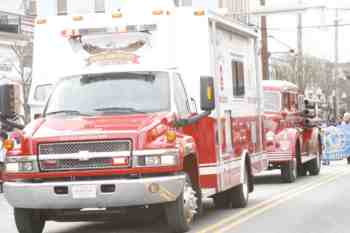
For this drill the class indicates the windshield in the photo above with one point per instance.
(272, 101)
(113, 93)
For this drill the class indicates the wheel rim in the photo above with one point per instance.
(190, 203)
(245, 186)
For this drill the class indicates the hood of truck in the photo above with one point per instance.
(75, 126)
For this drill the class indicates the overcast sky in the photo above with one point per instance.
(316, 41)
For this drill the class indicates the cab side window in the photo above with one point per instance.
(293, 103)
(181, 99)
(285, 102)
(290, 102)
(238, 78)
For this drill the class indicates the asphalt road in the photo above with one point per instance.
(310, 205)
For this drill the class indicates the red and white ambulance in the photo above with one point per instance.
(292, 137)
(153, 107)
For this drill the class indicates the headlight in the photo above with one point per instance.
(270, 136)
(154, 158)
(21, 164)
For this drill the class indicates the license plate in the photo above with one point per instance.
(84, 191)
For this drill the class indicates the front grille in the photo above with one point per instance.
(76, 147)
(82, 155)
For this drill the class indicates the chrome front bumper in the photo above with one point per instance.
(128, 192)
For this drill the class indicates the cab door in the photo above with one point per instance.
(203, 131)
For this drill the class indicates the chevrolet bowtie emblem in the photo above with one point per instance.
(83, 155)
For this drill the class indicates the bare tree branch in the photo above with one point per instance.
(25, 76)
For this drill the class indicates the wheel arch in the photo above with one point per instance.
(191, 167)
(295, 137)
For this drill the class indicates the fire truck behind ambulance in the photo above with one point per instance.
(123, 128)
(292, 137)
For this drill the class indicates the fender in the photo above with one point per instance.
(190, 161)
(313, 143)
(293, 135)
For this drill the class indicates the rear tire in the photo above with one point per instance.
(222, 200)
(180, 213)
(302, 170)
(29, 221)
(240, 194)
(289, 171)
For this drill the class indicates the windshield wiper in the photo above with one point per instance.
(118, 110)
(67, 112)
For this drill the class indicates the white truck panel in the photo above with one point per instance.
(181, 42)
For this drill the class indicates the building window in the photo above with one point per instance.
(238, 78)
(4, 19)
(9, 23)
(61, 7)
(99, 6)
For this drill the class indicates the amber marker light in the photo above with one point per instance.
(158, 12)
(210, 93)
(170, 136)
(41, 21)
(9, 144)
(199, 13)
(116, 14)
(77, 18)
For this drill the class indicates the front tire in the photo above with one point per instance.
(314, 166)
(29, 221)
(289, 171)
(180, 214)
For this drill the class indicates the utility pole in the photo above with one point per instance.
(336, 59)
(264, 46)
(300, 66)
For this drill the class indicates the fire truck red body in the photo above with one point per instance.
(122, 127)
(292, 138)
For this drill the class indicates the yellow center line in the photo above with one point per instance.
(246, 211)
(278, 202)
